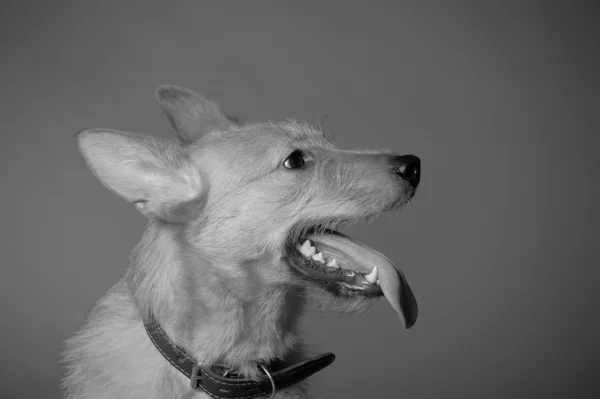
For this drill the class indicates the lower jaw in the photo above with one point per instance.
(338, 282)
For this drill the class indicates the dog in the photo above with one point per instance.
(241, 232)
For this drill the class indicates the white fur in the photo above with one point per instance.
(210, 264)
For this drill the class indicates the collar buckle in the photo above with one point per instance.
(196, 377)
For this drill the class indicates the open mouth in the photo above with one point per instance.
(333, 269)
(348, 268)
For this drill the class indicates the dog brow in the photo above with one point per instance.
(303, 134)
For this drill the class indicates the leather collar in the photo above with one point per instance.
(214, 381)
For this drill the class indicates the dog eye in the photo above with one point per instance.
(295, 160)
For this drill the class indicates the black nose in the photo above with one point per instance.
(408, 167)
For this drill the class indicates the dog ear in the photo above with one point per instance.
(156, 176)
(191, 114)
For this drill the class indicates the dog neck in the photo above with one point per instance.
(201, 310)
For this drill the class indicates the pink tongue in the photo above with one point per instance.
(392, 281)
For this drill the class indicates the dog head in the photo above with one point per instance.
(259, 201)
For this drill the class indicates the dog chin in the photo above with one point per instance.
(330, 303)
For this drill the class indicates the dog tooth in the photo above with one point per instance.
(333, 263)
(307, 250)
(305, 246)
(319, 257)
(372, 277)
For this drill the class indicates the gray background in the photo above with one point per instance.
(500, 101)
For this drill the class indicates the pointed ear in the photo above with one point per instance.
(156, 176)
(191, 114)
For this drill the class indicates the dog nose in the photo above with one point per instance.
(408, 167)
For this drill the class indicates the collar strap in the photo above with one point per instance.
(213, 380)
